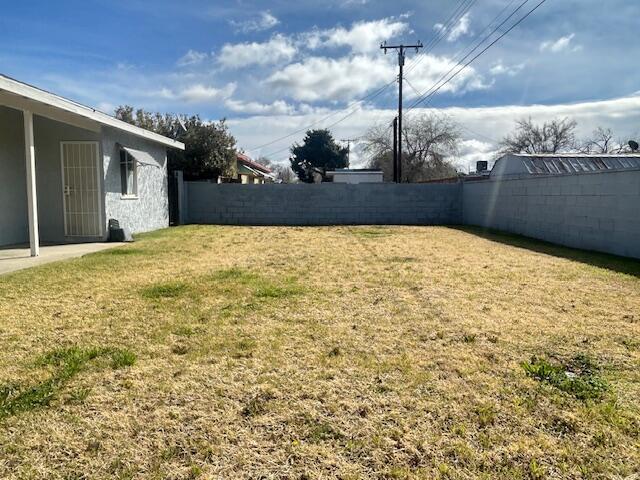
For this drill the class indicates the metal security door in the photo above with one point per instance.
(81, 189)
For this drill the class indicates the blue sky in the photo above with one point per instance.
(272, 67)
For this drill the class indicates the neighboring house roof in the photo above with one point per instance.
(563, 163)
(24, 94)
(246, 161)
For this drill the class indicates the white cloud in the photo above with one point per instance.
(499, 68)
(323, 78)
(360, 37)
(480, 125)
(472, 151)
(461, 28)
(346, 78)
(279, 107)
(560, 45)
(278, 49)
(265, 21)
(200, 93)
(431, 69)
(192, 57)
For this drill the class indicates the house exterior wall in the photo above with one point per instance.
(14, 224)
(48, 134)
(150, 209)
(323, 204)
(592, 211)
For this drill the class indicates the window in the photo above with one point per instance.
(128, 174)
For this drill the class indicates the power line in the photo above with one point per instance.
(454, 19)
(433, 91)
(462, 8)
(367, 97)
(524, 17)
(329, 127)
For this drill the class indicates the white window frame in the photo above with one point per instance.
(125, 182)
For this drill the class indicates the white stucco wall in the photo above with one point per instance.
(150, 210)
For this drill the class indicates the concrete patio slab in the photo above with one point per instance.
(17, 258)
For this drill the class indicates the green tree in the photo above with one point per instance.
(210, 150)
(319, 153)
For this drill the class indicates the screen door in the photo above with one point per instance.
(81, 189)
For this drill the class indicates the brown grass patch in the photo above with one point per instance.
(368, 352)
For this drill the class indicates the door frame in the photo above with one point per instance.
(98, 183)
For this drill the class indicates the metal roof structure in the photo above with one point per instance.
(563, 163)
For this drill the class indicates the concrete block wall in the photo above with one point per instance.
(323, 204)
(592, 211)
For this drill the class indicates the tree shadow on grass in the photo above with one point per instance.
(628, 266)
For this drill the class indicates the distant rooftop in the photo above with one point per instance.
(563, 163)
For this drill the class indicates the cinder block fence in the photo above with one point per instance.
(323, 204)
(593, 211)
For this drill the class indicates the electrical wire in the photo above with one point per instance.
(431, 92)
(462, 8)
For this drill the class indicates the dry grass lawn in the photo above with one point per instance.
(303, 353)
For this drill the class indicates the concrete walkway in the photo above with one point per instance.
(17, 258)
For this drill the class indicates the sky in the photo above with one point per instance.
(274, 68)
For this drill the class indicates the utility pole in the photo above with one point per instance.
(402, 49)
(349, 141)
(395, 150)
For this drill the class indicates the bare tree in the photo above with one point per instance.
(550, 137)
(603, 141)
(282, 173)
(429, 143)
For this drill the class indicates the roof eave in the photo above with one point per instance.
(21, 89)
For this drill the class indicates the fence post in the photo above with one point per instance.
(182, 203)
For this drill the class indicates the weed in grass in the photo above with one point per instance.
(579, 377)
(165, 290)
(194, 472)
(469, 338)
(257, 405)
(244, 348)
(486, 415)
(403, 260)
(184, 331)
(122, 359)
(630, 343)
(180, 349)
(237, 275)
(536, 470)
(335, 352)
(67, 363)
(78, 396)
(323, 432)
(274, 291)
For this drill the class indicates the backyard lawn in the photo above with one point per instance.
(303, 353)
